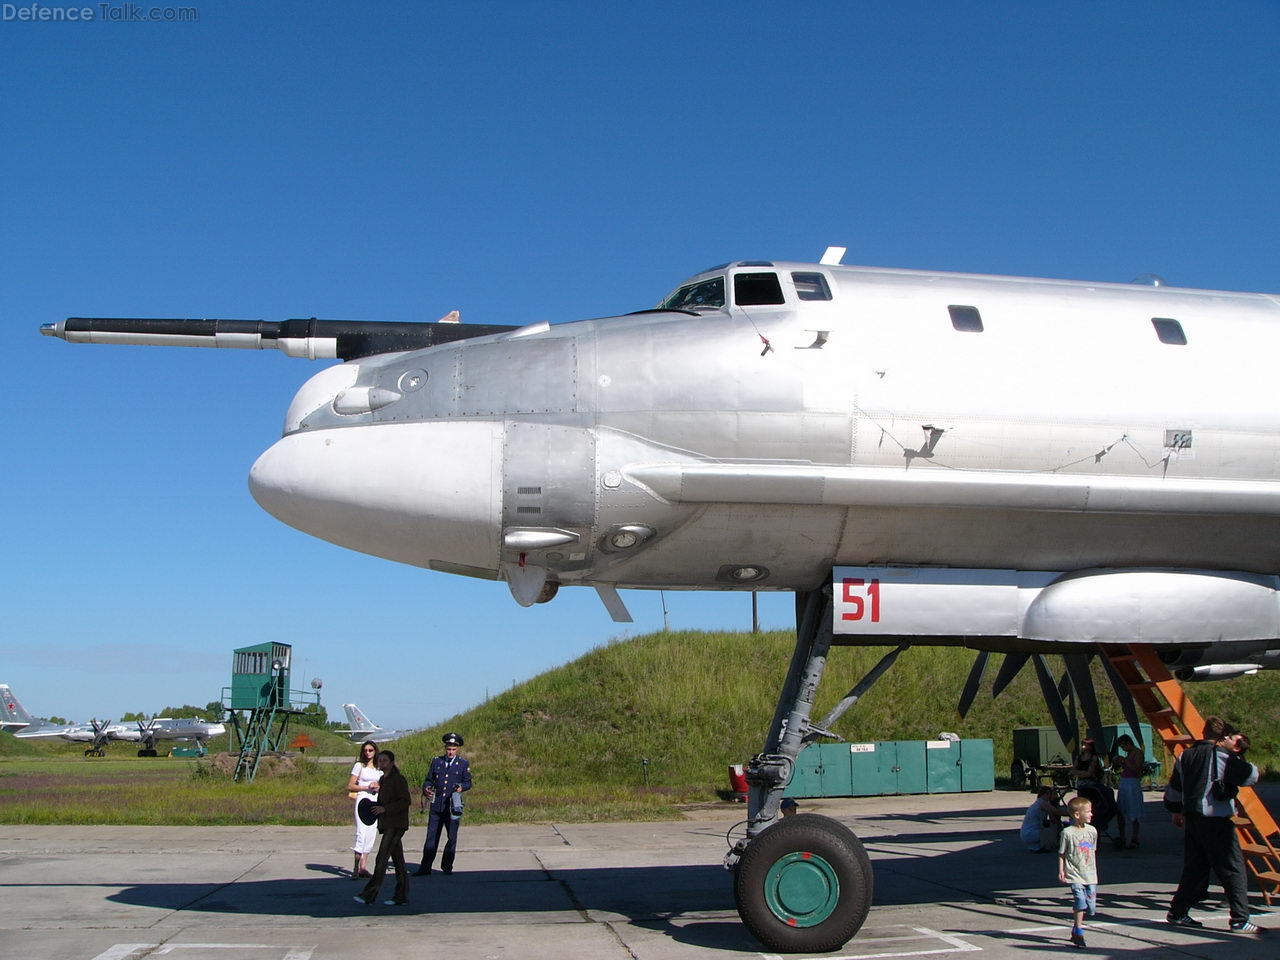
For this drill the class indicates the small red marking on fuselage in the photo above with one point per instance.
(806, 855)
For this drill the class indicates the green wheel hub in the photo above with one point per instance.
(801, 889)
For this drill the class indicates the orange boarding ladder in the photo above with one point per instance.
(1179, 724)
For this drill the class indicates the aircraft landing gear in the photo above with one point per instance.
(802, 884)
(94, 752)
(147, 752)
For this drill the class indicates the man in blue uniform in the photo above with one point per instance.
(448, 778)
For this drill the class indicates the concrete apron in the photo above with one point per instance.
(951, 878)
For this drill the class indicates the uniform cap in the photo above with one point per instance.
(452, 740)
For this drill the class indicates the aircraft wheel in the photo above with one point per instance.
(804, 885)
(88, 751)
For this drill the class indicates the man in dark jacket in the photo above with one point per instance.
(392, 809)
(448, 778)
(1202, 791)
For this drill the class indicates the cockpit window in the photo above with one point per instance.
(703, 295)
(811, 286)
(756, 289)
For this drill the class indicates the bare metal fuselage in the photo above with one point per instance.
(1063, 435)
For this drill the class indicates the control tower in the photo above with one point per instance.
(259, 702)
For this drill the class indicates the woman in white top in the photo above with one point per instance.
(364, 783)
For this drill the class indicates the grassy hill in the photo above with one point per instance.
(570, 742)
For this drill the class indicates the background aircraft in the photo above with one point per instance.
(362, 728)
(17, 720)
(182, 729)
(96, 733)
(1021, 466)
(13, 716)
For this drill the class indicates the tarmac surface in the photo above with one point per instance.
(950, 879)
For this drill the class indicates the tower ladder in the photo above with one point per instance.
(255, 742)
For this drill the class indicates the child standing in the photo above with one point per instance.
(1078, 865)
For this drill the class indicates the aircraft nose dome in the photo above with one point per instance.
(410, 492)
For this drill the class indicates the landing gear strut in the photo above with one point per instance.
(804, 883)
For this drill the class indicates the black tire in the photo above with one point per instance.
(804, 885)
(1017, 775)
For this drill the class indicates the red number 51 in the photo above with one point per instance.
(848, 584)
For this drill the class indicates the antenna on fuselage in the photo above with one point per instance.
(833, 256)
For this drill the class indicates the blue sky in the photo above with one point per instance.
(518, 162)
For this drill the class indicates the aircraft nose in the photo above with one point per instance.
(410, 492)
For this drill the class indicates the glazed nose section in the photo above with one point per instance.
(415, 493)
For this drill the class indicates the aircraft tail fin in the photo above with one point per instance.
(356, 719)
(11, 711)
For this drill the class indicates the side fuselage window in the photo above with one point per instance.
(1169, 331)
(757, 289)
(965, 319)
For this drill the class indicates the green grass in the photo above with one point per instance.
(162, 791)
(11, 746)
(568, 745)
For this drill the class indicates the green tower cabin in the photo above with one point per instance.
(260, 689)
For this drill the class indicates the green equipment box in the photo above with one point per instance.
(888, 767)
(1039, 746)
